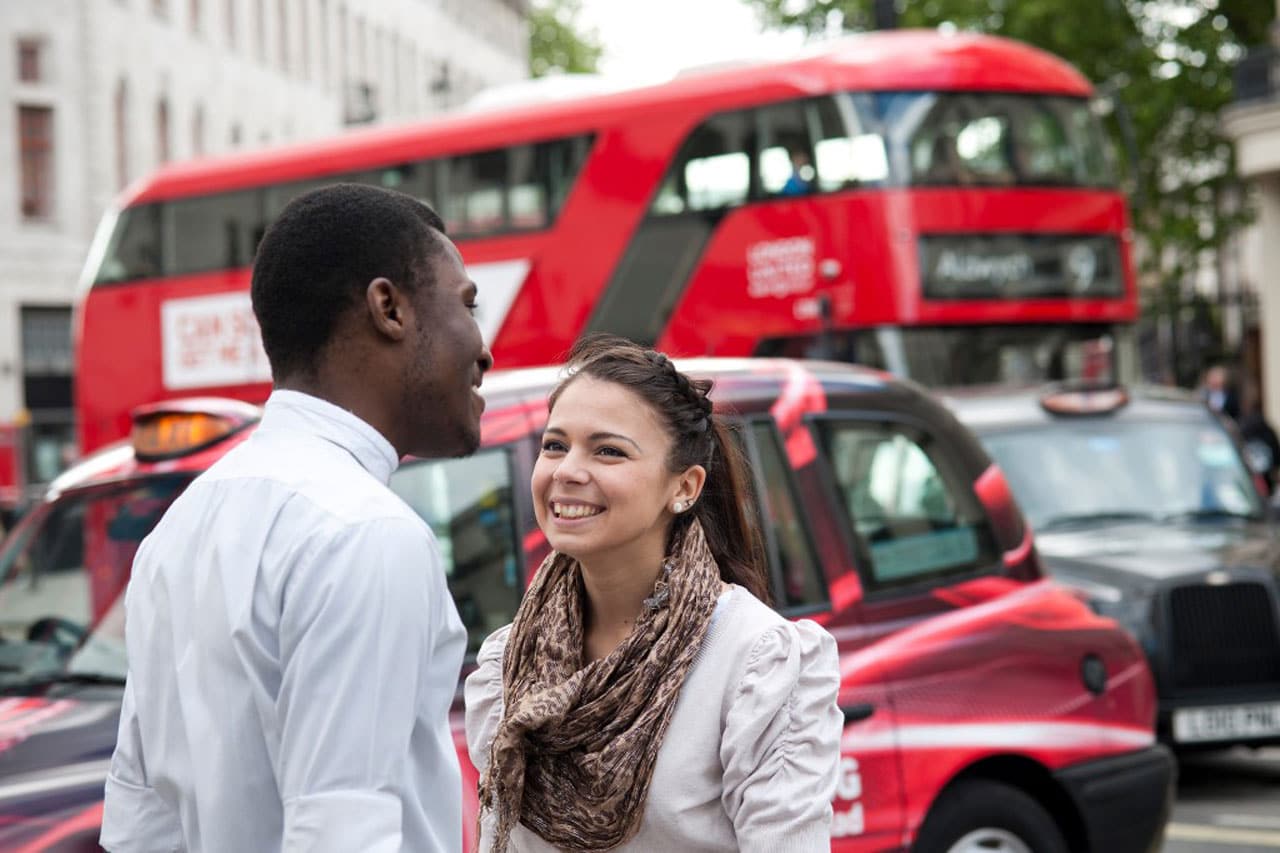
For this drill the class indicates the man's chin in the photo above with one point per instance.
(467, 443)
(463, 444)
(469, 448)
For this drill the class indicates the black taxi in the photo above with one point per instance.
(1142, 500)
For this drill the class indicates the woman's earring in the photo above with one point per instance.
(678, 507)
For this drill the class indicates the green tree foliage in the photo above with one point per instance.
(556, 44)
(1169, 62)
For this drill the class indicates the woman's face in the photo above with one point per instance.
(601, 486)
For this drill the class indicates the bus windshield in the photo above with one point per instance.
(982, 139)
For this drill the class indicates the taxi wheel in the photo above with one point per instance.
(982, 816)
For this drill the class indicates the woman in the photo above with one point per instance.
(645, 698)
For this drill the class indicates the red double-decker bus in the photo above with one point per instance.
(943, 206)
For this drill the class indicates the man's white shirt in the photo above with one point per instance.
(293, 654)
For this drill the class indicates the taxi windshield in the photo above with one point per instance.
(1077, 472)
(62, 578)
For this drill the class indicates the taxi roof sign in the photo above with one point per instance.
(1084, 399)
(180, 427)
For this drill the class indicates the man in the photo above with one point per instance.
(293, 648)
(801, 180)
(1218, 392)
(1261, 444)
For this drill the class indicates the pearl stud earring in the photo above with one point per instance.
(679, 506)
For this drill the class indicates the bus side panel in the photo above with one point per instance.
(122, 342)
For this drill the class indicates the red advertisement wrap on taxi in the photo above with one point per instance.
(981, 700)
(891, 199)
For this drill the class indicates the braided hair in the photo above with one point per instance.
(698, 437)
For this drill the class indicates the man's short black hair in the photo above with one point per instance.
(316, 260)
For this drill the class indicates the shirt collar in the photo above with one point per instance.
(294, 410)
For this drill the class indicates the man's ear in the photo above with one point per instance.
(388, 307)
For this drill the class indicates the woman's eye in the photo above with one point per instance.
(612, 451)
(552, 446)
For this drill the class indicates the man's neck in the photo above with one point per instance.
(356, 398)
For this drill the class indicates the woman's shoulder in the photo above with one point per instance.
(493, 646)
(762, 638)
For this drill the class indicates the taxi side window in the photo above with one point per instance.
(468, 505)
(795, 572)
(913, 519)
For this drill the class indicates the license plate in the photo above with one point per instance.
(1226, 722)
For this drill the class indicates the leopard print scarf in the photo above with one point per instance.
(574, 754)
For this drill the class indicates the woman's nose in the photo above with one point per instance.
(569, 470)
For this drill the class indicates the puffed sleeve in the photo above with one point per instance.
(781, 742)
(483, 696)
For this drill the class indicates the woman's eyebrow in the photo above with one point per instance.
(596, 436)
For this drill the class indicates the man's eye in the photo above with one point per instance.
(473, 307)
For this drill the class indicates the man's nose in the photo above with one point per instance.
(486, 360)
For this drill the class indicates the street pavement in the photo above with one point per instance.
(1227, 803)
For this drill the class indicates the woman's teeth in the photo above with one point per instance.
(574, 510)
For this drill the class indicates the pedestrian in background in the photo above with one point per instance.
(293, 647)
(1261, 445)
(1219, 391)
(645, 697)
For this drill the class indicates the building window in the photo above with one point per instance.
(341, 59)
(122, 133)
(375, 70)
(47, 389)
(358, 71)
(193, 16)
(197, 132)
(323, 47)
(29, 61)
(235, 136)
(162, 131)
(282, 23)
(231, 23)
(260, 14)
(396, 93)
(35, 143)
(304, 44)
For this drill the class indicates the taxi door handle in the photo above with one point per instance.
(857, 713)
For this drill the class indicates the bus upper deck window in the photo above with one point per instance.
(849, 147)
(785, 161)
(527, 193)
(713, 168)
(985, 150)
(134, 249)
(996, 139)
(214, 232)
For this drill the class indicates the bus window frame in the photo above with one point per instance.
(578, 145)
